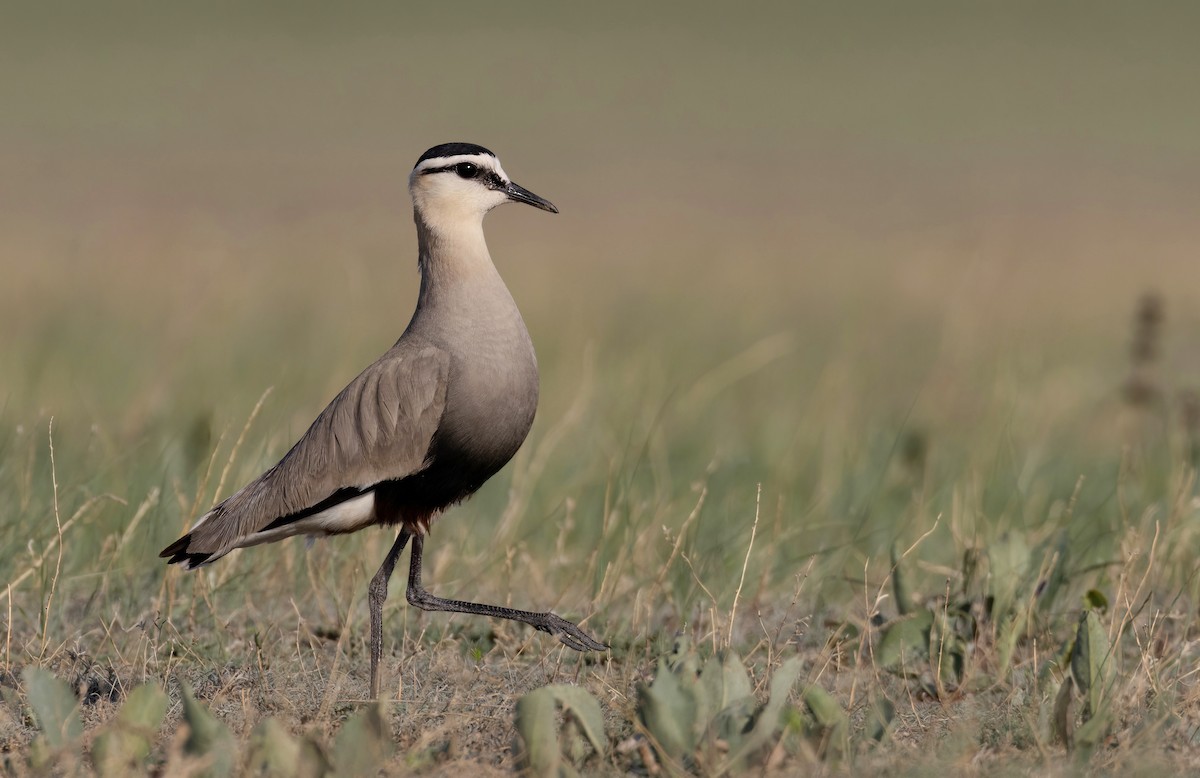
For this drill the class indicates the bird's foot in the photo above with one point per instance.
(568, 633)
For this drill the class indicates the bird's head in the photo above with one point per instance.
(457, 182)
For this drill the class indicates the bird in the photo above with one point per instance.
(425, 425)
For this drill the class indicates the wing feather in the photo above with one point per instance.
(379, 428)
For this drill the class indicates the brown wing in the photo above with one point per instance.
(377, 429)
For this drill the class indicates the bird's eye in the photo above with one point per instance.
(466, 170)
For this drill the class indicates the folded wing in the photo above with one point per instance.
(378, 429)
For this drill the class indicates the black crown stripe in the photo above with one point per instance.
(453, 150)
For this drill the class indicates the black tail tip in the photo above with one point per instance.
(177, 552)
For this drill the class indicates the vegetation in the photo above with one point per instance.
(861, 440)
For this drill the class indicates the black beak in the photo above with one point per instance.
(523, 195)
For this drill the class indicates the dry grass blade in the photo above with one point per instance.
(237, 446)
(745, 563)
(59, 541)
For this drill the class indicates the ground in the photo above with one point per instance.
(867, 342)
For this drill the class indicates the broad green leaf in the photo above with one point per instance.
(55, 707)
(668, 712)
(273, 750)
(1008, 633)
(879, 720)
(1063, 724)
(112, 752)
(363, 744)
(311, 761)
(733, 706)
(1091, 734)
(736, 681)
(970, 567)
(899, 582)
(207, 738)
(709, 694)
(144, 708)
(768, 721)
(535, 721)
(824, 709)
(682, 658)
(1089, 660)
(735, 719)
(580, 705)
(125, 743)
(947, 649)
(844, 632)
(1056, 576)
(831, 719)
(1009, 561)
(538, 730)
(906, 638)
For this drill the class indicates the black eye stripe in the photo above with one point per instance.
(454, 169)
(490, 178)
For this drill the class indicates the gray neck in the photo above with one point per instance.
(462, 298)
(448, 259)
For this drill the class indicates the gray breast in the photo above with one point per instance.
(492, 385)
(491, 399)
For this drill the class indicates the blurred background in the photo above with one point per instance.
(795, 239)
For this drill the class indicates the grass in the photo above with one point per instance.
(834, 331)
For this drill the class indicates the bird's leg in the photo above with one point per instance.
(376, 594)
(567, 632)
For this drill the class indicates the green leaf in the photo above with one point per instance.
(535, 721)
(970, 567)
(1056, 576)
(682, 659)
(581, 706)
(1063, 724)
(667, 712)
(904, 639)
(144, 708)
(311, 760)
(735, 719)
(1010, 630)
(1089, 661)
(948, 649)
(832, 721)
(899, 583)
(723, 697)
(1091, 734)
(824, 709)
(708, 694)
(844, 631)
(1009, 561)
(1095, 600)
(363, 744)
(207, 738)
(112, 753)
(737, 680)
(273, 751)
(125, 743)
(768, 720)
(55, 707)
(538, 730)
(879, 720)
